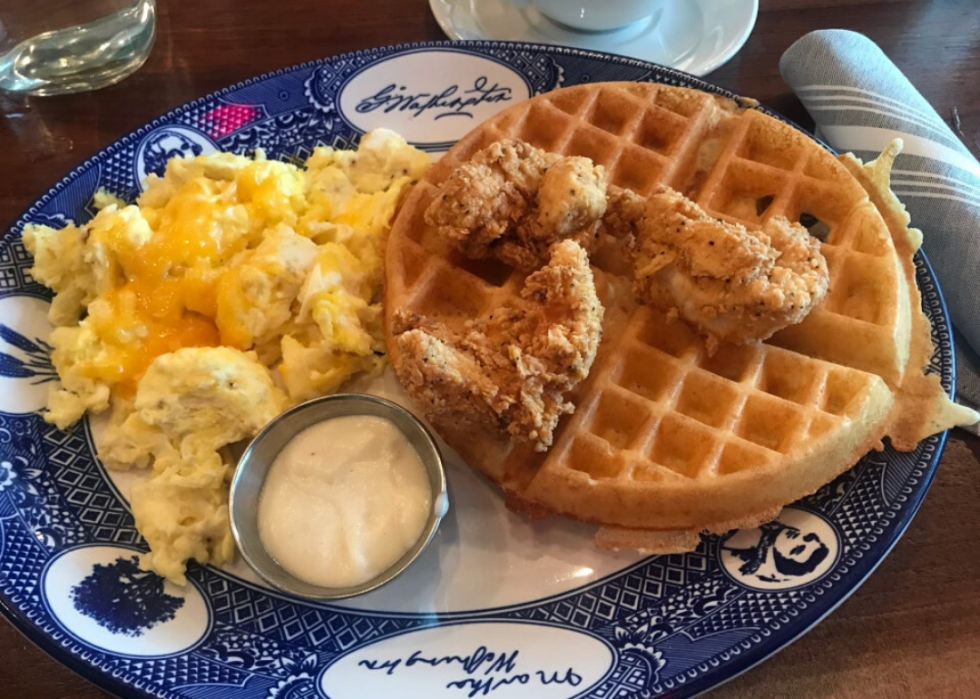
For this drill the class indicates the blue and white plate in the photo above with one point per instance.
(498, 606)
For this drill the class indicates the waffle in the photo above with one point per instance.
(668, 440)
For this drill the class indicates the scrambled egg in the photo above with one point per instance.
(233, 288)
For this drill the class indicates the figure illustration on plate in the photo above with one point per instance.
(774, 553)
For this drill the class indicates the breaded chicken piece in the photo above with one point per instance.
(512, 201)
(512, 370)
(734, 284)
(624, 211)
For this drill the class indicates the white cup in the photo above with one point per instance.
(594, 15)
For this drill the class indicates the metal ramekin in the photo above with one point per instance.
(254, 465)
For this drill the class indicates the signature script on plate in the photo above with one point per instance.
(485, 670)
(452, 101)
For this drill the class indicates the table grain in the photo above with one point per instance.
(913, 630)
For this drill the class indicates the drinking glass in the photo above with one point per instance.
(50, 47)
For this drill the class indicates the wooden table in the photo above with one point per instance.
(913, 630)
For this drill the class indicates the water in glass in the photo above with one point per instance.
(57, 46)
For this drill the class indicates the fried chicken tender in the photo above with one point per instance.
(736, 285)
(512, 201)
(512, 370)
(624, 211)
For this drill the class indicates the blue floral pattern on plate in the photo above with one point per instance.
(673, 625)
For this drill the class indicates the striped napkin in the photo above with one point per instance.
(860, 101)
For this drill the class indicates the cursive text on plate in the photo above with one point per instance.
(486, 671)
(451, 101)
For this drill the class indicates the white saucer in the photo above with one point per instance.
(696, 36)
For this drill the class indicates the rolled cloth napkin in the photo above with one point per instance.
(860, 101)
